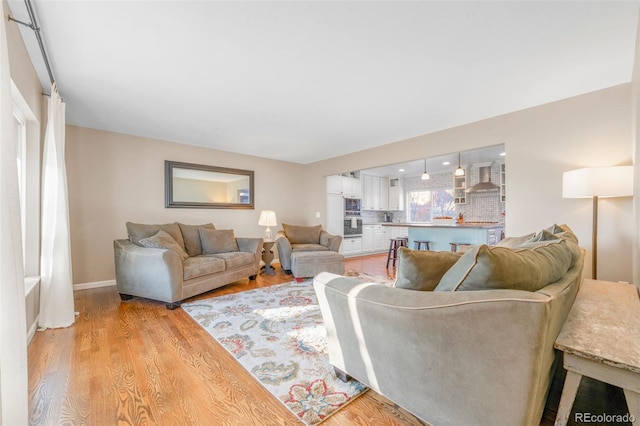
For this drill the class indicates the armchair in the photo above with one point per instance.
(299, 245)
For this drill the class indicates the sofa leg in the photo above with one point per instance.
(173, 305)
(287, 271)
(125, 296)
(252, 277)
(341, 374)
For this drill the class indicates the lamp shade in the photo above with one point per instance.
(267, 218)
(598, 182)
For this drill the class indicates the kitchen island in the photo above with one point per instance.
(441, 234)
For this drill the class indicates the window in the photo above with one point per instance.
(20, 135)
(424, 205)
(26, 133)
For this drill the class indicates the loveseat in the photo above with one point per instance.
(471, 343)
(174, 261)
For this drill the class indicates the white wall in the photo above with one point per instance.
(541, 143)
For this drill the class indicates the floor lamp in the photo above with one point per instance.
(597, 182)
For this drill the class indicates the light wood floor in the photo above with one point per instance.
(138, 363)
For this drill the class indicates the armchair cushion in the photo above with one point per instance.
(308, 247)
(528, 269)
(138, 231)
(192, 243)
(422, 270)
(164, 241)
(302, 234)
(217, 241)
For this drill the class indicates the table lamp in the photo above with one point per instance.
(267, 218)
(597, 182)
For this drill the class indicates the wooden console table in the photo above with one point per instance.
(601, 339)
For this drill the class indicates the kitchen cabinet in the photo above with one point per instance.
(346, 186)
(335, 214)
(380, 240)
(396, 193)
(375, 193)
(459, 187)
(351, 246)
(367, 237)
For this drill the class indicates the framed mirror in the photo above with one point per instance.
(189, 185)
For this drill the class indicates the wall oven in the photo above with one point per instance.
(352, 206)
(352, 227)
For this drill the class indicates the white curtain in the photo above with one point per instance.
(56, 289)
(13, 328)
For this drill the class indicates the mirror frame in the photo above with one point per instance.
(169, 202)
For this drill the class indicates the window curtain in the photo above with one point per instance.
(13, 328)
(56, 289)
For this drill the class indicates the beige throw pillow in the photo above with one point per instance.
(302, 234)
(529, 269)
(217, 241)
(163, 240)
(138, 231)
(515, 242)
(422, 270)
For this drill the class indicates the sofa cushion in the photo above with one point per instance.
(192, 243)
(308, 247)
(302, 234)
(515, 242)
(217, 241)
(198, 266)
(236, 259)
(529, 269)
(163, 240)
(422, 270)
(138, 231)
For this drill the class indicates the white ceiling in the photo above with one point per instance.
(305, 81)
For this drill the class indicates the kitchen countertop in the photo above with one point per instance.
(474, 225)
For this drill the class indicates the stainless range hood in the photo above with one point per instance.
(485, 184)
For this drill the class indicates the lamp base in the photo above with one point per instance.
(268, 235)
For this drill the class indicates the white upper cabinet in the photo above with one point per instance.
(375, 193)
(396, 193)
(346, 186)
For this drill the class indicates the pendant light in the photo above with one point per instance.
(459, 171)
(425, 175)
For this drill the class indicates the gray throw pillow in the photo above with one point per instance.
(217, 241)
(515, 242)
(163, 240)
(529, 269)
(192, 238)
(138, 231)
(422, 270)
(302, 234)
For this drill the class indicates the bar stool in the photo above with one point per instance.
(418, 244)
(394, 245)
(459, 247)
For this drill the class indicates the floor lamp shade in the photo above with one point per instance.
(595, 182)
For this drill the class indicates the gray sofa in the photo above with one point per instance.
(174, 261)
(296, 238)
(476, 350)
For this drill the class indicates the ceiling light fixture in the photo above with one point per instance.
(459, 171)
(502, 154)
(446, 163)
(425, 175)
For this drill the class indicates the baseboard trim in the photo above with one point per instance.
(96, 284)
(32, 329)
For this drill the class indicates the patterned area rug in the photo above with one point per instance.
(278, 335)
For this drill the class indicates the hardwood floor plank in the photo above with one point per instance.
(137, 363)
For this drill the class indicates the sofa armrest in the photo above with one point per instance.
(332, 242)
(252, 245)
(148, 272)
(427, 351)
(284, 250)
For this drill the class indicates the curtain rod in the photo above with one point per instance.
(36, 29)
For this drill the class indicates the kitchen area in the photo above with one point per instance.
(456, 198)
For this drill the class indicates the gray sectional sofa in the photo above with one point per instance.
(472, 342)
(174, 261)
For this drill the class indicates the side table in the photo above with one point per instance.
(601, 339)
(267, 257)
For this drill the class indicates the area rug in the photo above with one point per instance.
(278, 335)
